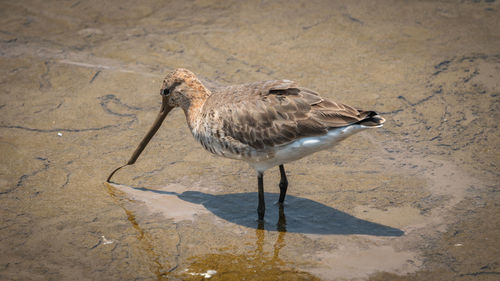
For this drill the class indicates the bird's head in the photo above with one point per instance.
(182, 88)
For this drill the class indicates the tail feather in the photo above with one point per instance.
(372, 119)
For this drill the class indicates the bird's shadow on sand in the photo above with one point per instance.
(298, 215)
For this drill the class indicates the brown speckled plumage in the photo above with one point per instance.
(250, 119)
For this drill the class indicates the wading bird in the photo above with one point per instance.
(266, 123)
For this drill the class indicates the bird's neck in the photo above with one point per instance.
(194, 107)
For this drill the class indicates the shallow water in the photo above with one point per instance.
(416, 199)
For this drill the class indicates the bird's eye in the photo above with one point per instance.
(165, 91)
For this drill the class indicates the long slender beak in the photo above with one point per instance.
(165, 109)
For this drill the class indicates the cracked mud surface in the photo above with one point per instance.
(415, 200)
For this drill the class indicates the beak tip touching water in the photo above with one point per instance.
(164, 110)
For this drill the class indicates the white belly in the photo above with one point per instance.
(303, 147)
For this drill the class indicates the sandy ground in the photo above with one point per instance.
(415, 200)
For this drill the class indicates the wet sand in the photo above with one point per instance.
(414, 200)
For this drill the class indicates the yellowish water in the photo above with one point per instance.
(416, 199)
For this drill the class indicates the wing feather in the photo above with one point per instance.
(277, 112)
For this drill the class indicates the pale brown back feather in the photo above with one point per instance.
(277, 112)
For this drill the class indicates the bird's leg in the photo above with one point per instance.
(261, 209)
(281, 226)
(283, 184)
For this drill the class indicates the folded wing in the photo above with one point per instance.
(280, 112)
